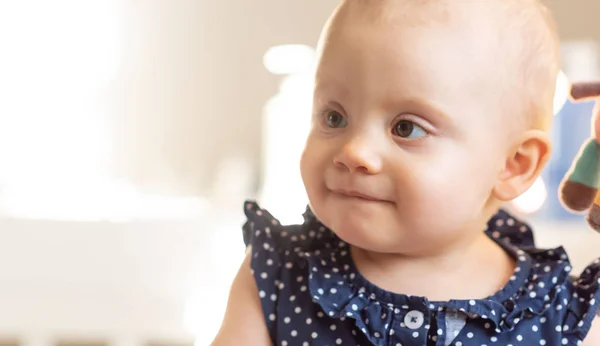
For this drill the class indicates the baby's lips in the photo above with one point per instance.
(585, 90)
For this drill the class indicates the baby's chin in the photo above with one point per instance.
(370, 235)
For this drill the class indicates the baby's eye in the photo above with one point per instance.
(408, 129)
(334, 119)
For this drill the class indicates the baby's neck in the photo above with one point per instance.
(462, 273)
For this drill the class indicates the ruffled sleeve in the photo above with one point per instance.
(262, 233)
(277, 259)
(583, 304)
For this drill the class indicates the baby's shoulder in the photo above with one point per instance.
(564, 302)
(291, 242)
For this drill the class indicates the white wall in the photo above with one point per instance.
(112, 281)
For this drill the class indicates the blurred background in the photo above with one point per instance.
(132, 131)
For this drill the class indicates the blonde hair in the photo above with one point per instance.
(533, 30)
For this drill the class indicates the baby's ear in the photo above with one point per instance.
(524, 164)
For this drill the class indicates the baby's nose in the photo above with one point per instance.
(359, 154)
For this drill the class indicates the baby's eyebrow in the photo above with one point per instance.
(427, 108)
(331, 86)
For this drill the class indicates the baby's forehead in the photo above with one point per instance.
(519, 37)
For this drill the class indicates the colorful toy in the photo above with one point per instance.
(579, 190)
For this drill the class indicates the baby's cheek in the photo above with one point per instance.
(446, 190)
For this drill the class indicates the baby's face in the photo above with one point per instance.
(407, 141)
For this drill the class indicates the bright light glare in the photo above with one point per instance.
(58, 61)
(289, 59)
(563, 88)
(283, 191)
(533, 199)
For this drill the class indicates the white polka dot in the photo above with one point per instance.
(493, 339)
(333, 291)
(314, 335)
(262, 294)
(320, 291)
(273, 297)
(472, 302)
(470, 335)
(520, 337)
(272, 317)
(559, 307)
(376, 334)
(532, 294)
(542, 342)
(487, 326)
(308, 321)
(543, 320)
(415, 334)
(284, 343)
(558, 328)
(297, 310)
(440, 331)
(458, 343)
(294, 333)
(354, 307)
(286, 320)
(292, 298)
(565, 341)
(535, 328)
(338, 341)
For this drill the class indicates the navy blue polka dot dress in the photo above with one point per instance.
(312, 294)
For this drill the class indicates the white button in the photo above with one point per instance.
(414, 319)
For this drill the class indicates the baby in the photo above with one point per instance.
(429, 115)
